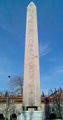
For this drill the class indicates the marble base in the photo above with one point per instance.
(31, 115)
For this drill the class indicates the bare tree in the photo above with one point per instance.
(57, 100)
(50, 92)
(10, 106)
(43, 94)
(16, 85)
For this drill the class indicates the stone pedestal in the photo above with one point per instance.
(32, 115)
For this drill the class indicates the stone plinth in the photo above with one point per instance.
(32, 115)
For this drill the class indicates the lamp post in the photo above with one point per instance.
(7, 102)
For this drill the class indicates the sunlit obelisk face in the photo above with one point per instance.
(31, 86)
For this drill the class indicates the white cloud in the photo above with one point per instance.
(43, 50)
(59, 69)
(4, 27)
(52, 59)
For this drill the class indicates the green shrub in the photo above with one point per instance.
(58, 117)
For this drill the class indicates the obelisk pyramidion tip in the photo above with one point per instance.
(31, 4)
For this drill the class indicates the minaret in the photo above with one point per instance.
(31, 85)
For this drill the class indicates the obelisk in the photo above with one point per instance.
(31, 85)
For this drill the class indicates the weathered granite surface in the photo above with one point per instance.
(31, 87)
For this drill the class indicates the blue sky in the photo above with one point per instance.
(50, 36)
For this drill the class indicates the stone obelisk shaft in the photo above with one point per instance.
(31, 85)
